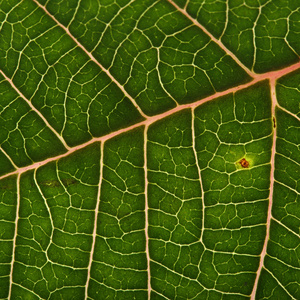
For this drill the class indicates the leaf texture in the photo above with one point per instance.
(149, 149)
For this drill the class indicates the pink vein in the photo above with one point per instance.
(218, 42)
(35, 110)
(150, 120)
(273, 75)
(92, 58)
(15, 237)
(269, 216)
(146, 212)
(95, 222)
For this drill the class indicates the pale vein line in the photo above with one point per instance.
(49, 212)
(198, 281)
(187, 4)
(269, 216)
(279, 283)
(254, 37)
(294, 162)
(28, 290)
(4, 21)
(53, 263)
(146, 213)
(199, 174)
(180, 274)
(108, 24)
(156, 292)
(112, 266)
(218, 42)
(284, 262)
(114, 289)
(63, 287)
(15, 237)
(92, 58)
(289, 112)
(226, 22)
(288, 31)
(287, 187)
(286, 228)
(127, 38)
(96, 220)
(159, 77)
(74, 14)
(36, 111)
(9, 158)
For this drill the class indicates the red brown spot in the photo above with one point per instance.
(244, 163)
(274, 122)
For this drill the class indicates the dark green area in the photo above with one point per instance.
(206, 210)
(282, 261)
(231, 128)
(76, 97)
(287, 159)
(24, 136)
(8, 204)
(175, 208)
(56, 220)
(288, 92)
(269, 289)
(283, 249)
(151, 49)
(174, 190)
(264, 35)
(119, 259)
(6, 165)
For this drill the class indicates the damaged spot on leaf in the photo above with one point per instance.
(244, 163)
(274, 122)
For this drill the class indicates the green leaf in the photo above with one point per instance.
(149, 149)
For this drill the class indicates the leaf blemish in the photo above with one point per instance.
(244, 163)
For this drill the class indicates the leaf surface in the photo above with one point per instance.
(149, 149)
